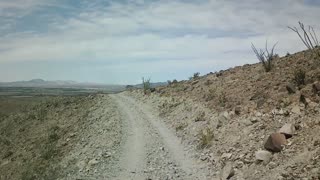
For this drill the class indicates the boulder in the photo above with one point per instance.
(275, 142)
(291, 89)
(263, 155)
(237, 110)
(247, 122)
(254, 119)
(288, 130)
(296, 110)
(227, 171)
(226, 115)
(316, 87)
(226, 155)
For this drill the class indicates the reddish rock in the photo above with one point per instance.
(275, 142)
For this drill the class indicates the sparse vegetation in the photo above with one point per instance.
(42, 113)
(299, 77)
(265, 56)
(196, 75)
(288, 54)
(172, 82)
(211, 94)
(200, 117)
(180, 127)
(206, 137)
(222, 98)
(208, 82)
(308, 36)
(34, 123)
(146, 85)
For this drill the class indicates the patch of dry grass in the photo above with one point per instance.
(206, 136)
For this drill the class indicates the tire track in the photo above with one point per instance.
(133, 154)
(150, 135)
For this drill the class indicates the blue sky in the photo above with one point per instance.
(119, 42)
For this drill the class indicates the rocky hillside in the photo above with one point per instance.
(37, 133)
(247, 123)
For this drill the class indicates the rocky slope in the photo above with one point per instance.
(38, 134)
(229, 115)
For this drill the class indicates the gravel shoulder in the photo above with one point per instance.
(96, 155)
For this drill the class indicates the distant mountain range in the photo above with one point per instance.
(70, 84)
(56, 84)
(151, 84)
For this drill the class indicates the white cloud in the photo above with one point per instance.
(203, 33)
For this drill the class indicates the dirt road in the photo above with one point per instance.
(151, 150)
(127, 140)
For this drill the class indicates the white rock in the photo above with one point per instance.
(254, 120)
(258, 114)
(226, 155)
(313, 105)
(227, 171)
(263, 155)
(281, 112)
(272, 165)
(93, 162)
(288, 130)
(226, 115)
(296, 110)
(246, 122)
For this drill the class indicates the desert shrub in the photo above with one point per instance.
(309, 37)
(174, 81)
(211, 94)
(222, 98)
(180, 127)
(49, 151)
(265, 56)
(206, 136)
(196, 75)
(208, 82)
(53, 137)
(299, 76)
(146, 85)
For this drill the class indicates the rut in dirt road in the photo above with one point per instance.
(150, 149)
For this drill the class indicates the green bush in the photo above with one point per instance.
(146, 85)
(196, 75)
(206, 137)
